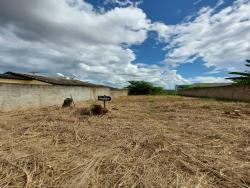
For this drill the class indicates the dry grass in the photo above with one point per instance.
(146, 142)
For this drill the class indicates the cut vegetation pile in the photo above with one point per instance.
(141, 142)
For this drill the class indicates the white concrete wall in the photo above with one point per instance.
(232, 92)
(118, 93)
(14, 96)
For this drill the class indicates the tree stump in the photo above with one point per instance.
(97, 110)
(67, 102)
(94, 110)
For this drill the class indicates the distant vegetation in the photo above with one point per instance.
(146, 88)
(243, 77)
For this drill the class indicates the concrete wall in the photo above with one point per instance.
(116, 93)
(232, 92)
(14, 96)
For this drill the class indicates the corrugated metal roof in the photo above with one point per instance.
(50, 80)
(9, 76)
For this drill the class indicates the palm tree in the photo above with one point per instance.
(244, 77)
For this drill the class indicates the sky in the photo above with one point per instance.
(166, 42)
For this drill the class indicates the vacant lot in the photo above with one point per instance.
(142, 142)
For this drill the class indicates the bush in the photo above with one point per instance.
(140, 88)
(144, 88)
(158, 91)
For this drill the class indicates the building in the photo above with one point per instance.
(18, 90)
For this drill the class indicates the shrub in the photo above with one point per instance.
(144, 88)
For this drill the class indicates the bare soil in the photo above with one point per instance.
(142, 142)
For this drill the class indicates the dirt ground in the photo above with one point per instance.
(142, 142)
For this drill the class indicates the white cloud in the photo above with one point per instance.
(164, 31)
(124, 3)
(220, 38)
(197, 2)
(220, 2)
(208, 79)
(67, 21)
(71, 38)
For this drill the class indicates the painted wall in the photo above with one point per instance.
(116, 93)
(232, 92)
(14, 96)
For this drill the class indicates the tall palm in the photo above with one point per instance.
(244, 77)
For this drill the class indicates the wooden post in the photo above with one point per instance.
(105, 99)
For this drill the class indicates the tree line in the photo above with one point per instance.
(146, 88)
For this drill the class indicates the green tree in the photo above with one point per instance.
(140, 88)
(158, 91)
(144, 88)
(243, 77)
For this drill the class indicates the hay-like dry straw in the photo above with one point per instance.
(141, 142)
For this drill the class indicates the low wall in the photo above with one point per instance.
(232, 92)
(116, 93)
(14, 96)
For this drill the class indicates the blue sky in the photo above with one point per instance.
(112, 41)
